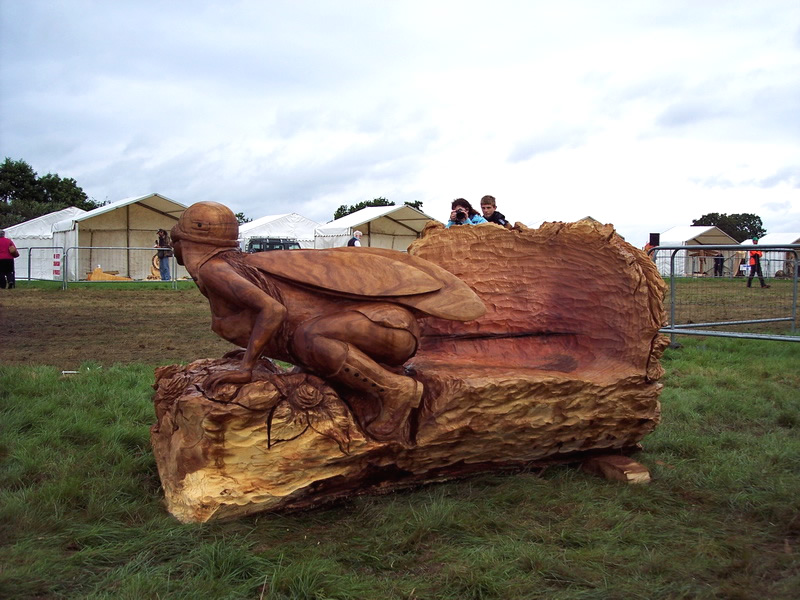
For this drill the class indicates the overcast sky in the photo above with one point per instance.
(642, 113)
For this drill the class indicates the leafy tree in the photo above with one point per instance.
(19, 182)
(65, 191)
(740, 226)
(346, 210)
(415, 204)
(242, 219)
(24, 195)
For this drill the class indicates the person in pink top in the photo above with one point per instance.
(8, 252)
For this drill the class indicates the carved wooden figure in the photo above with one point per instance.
(340, 313)
(480, 349)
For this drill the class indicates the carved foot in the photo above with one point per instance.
(396, 404)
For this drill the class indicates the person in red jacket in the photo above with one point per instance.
(755, 265)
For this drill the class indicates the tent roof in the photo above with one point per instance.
(156, 202)
(293, 223)
(42, 226)
(244, 227)
(774, 239)
(684, 235)
(407, 217)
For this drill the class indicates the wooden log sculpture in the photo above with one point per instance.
(480, 349)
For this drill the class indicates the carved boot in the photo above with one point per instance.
(398, 394)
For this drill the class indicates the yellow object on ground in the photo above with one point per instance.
(99, 275)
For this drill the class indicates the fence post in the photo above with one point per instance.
(795, 272)
(672, 296)
(65, 269)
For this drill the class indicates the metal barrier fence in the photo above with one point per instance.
(115, 263)
(48, 263)
(708, 290)
(37, 263)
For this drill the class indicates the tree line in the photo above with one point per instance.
(344, 209)
(740, 226)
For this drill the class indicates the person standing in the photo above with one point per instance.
(356, 239)
(755, 265)
(719, 264)
(490, 213)
(462, 213)
(164, 254)
(8, 252)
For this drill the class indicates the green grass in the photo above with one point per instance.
(182, 284)
(81, 511)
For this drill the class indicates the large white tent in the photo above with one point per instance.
(34, 239)
(291, 225)
(127, 223)
(393, 227)
(695, 262)
(777, 260)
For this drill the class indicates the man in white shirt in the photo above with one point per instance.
(356, 239)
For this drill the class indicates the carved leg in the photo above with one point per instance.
(343, 347)
(397, 394)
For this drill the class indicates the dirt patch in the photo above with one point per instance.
(65, 328)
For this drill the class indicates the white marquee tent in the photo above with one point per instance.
(34, 239)
(291, 225)
(127, 223)
(777, 260)
(393, 227)
(695, 262)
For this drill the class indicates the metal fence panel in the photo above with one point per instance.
(114, 263)
(38, 263)
(708, 293)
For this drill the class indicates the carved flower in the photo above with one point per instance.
(308, 403)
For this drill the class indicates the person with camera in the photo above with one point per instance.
(164, 254)
(462, 213)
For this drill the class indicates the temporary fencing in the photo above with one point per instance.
(709, 294)
(115, 263)
(38, 263)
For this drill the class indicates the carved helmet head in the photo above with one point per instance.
(207, 223)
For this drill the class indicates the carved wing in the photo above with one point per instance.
(455, 300)
(352, 272)
(376, 273)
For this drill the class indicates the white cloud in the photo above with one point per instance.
(645, 114)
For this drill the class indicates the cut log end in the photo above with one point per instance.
(617, 468)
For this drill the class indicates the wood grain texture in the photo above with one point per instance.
(563, 365)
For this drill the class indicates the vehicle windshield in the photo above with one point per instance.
(265, 245)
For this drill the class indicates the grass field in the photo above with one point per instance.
(81, 511)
